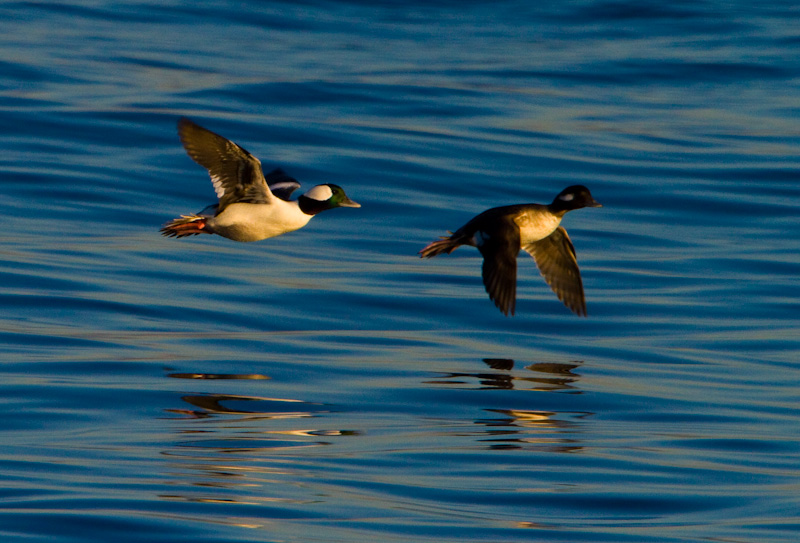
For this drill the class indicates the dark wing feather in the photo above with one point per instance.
(500, 246)
(558, 264)
(280, 184)
(235, 173)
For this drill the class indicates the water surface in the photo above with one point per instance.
(329, 385)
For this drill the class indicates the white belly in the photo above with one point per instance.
(253, 222)
(536, 226)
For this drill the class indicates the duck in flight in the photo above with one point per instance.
(251, 206)
(499, 234)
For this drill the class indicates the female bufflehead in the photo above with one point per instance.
(251, 207)
(499, 234)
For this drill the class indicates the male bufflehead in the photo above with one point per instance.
(251, 207)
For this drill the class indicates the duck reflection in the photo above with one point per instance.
(549, 430)
(210, 404)
(548, 376)
(213, 376)
(554, 431)
(251, 406)
(499, 363)
(242, 449)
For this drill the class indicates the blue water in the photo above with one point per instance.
(329, 385)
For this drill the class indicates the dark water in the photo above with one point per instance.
(330, 386)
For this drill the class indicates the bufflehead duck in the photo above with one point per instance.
(251, 206)
(499, 234)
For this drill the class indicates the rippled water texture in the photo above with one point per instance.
(329, 385)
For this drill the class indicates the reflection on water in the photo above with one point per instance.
(555, 432)
(499, 363)
(251, 376)
(253, 407)
(504, 378)
(233, 448)
(254, 449)
(564, 377)
(245, 405)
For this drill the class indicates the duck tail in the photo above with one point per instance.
(447, 244)
(185, 225)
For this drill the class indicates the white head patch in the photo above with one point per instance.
(320, 193)
(567, 197)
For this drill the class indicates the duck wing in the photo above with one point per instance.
(558, 264)
(281, 184)
(235, 173)
(499, 243)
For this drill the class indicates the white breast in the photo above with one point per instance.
(536, 225)
(253, 222)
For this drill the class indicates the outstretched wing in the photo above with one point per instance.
(499, 244)
(280, 184)
(235, 173)
(558, 264)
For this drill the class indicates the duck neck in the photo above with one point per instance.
(558, 208)
(310, 206)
